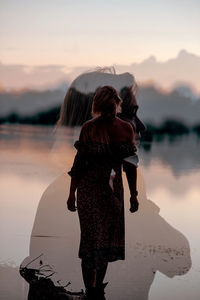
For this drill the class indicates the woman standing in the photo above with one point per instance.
(104, 142)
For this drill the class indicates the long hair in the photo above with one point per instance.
(76, 108)
(105, 102)
(128, 95)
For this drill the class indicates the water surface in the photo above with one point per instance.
(162, 238)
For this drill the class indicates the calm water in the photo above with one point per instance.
(162, 239)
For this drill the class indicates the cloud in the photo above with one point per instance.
(184, 69)
(40, 77)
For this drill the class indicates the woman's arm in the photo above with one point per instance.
(131, 174)
(77, 169)
(71, 199)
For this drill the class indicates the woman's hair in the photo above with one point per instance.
(128, 95)
(78, 104)
(76, 108)
(105, 102)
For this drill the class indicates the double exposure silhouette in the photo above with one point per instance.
(152, 244)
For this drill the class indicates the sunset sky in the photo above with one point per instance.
(78, 33)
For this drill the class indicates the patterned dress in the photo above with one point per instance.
(100, 204)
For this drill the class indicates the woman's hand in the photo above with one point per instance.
(134, 203)
(71, 202)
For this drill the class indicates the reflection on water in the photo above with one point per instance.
(161, 239)
(183, 156)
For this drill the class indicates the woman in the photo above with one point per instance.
(96, 175)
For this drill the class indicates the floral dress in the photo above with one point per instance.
(100, 204)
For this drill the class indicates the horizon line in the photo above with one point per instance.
(151, 56)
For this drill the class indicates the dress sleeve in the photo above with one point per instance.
(80, 163)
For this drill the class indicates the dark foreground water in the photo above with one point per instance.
(162, 238)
